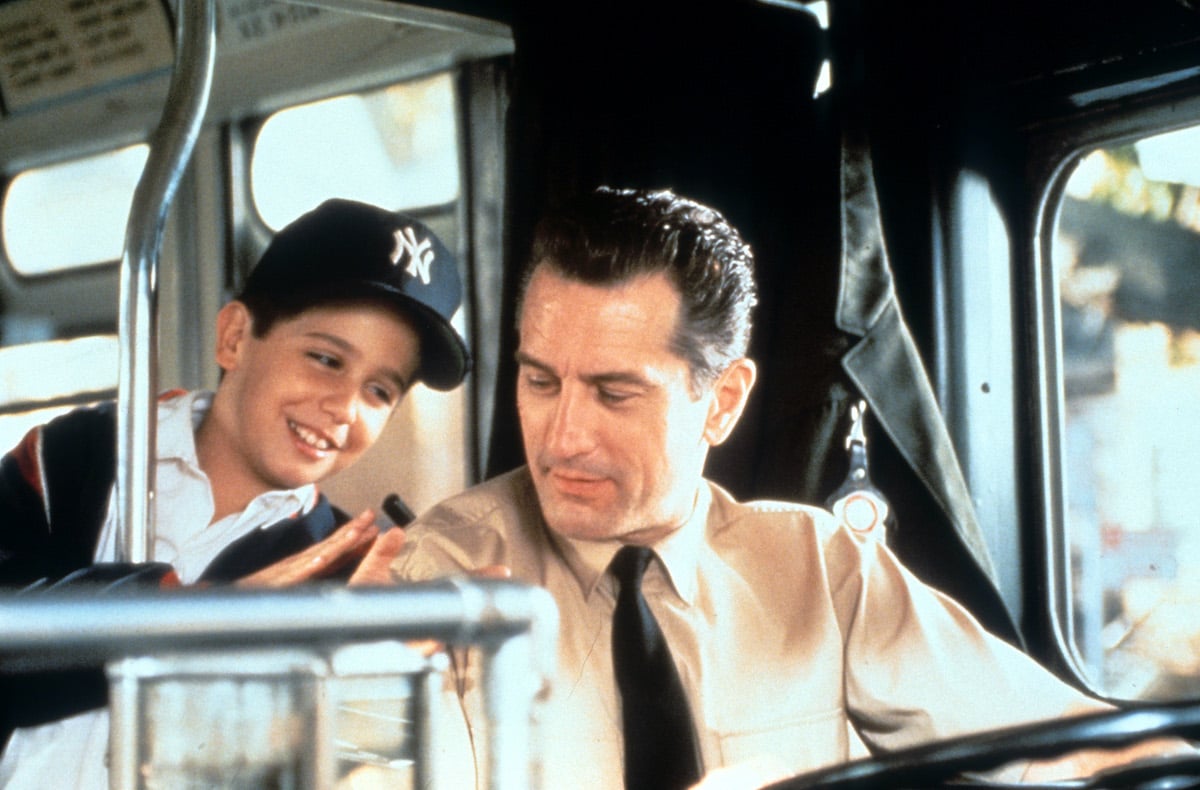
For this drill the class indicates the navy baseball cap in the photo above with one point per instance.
(347, 249)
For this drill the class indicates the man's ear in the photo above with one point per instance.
(730, 394)
(234, 324)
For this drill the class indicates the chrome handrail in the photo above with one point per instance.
(515, 625)
(137, 382)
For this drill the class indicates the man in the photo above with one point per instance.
(793, 642)
(347, 309)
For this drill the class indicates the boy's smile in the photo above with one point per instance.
(311, 439)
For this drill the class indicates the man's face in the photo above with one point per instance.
(309, 398)
(613, 437)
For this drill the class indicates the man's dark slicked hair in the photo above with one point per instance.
(611, 236)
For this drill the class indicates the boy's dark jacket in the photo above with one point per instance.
(71, 479)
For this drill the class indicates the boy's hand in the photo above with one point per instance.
(375, 568)
(346, 544)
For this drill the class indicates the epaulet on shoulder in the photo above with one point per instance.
(778, 506)
(822, 519)
(722, 497)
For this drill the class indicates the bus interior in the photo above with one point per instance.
(976, 225)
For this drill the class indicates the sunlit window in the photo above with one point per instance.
(396, 147)
(39, 381)
(820, 9)
(85, 201)
(1127, 260)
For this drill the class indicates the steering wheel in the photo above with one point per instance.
(942, 763)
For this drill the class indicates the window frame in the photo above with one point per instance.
(10, 269)
(1056, 149)
(252, 133)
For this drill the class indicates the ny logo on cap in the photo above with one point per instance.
(419, 254)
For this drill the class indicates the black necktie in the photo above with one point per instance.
(660, 741)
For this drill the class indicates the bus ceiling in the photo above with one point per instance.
(103, 66)
(82, 78)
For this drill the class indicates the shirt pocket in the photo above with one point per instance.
(800, 744)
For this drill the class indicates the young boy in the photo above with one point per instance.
(349, 306)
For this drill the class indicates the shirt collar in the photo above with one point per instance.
(179, 415)
(679, 552)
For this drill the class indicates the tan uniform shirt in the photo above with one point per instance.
(791, 636)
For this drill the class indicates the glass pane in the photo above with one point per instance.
(254, 717)
(85, 201)
(396, 147)
(35, 375)
(1127, 258)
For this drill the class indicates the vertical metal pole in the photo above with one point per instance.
(137, 383)
(323, 754)
(124, 703)
(428, 715)
(509, 690)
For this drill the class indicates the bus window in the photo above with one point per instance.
(39, 381)
(395, 147)
(1126, 258)
(92, 194)
(54, 359)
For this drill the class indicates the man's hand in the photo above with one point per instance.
(376, 569)
(346, 544)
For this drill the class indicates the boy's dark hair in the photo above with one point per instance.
(345, 252)
(611, 236)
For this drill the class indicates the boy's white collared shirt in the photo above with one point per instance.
(73, 750)
(184, 538)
